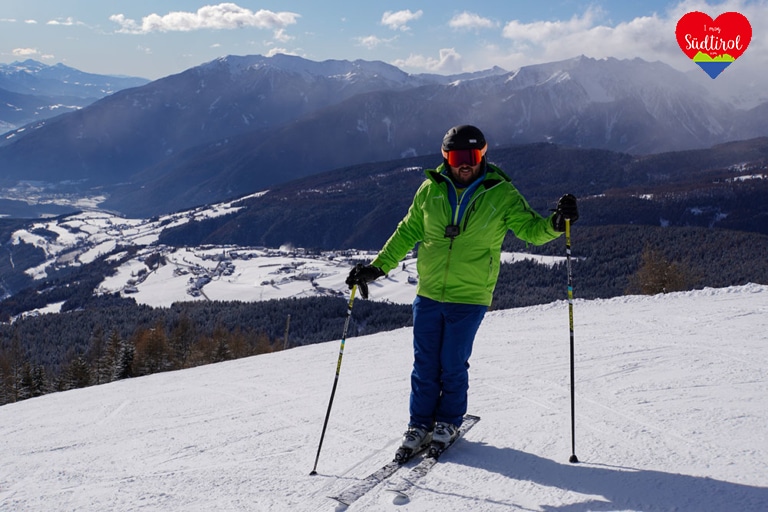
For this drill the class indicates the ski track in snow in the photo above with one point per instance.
(671, 414)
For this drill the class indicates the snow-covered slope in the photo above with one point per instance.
(671, 414)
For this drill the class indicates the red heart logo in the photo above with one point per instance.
(713, 44)
(729, 33)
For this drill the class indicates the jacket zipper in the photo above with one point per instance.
(455, 219)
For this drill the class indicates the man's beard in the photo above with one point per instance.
(464, 181)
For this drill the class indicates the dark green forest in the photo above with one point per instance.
(607, 260)
(112, 338)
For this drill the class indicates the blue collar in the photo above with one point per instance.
(459, 202)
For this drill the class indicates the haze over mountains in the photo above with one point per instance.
(32, 91)
(238, 125)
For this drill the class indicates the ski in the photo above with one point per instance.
(358, 489)
(403, 486)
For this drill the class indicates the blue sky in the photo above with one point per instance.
(153, 39)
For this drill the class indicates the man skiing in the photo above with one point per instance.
(459, 216)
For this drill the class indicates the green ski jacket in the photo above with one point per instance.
(460, 237)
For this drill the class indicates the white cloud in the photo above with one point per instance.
(369, 42)
(276, 51)
(224, 16)
(30, 22)
(66, 22)
(651, 38)
(25, 52)
(282, 36)
(470, 21)
(545, 31)
(372, 42)
(449, 62)
(399, 20)
(7, 20)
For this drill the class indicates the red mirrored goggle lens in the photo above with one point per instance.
(459, 157)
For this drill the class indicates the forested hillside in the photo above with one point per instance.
(110, 338)
(607, 261)
(359, 206)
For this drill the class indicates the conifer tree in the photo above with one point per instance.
(95, 355)
(39, 381)
(5, 377)
(78, 374)
(656, 274)
(25, 382)
(181, 341)
(123, 363)
(109, 357)
(11, 364)
(152, 353)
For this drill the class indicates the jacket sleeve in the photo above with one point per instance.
(409, 231)
(526, 223)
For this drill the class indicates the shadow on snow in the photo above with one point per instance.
(621, 487)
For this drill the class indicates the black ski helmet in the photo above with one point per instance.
(464, 136)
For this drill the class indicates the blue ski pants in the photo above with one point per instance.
(443, 334)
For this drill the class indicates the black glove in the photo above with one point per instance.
(566, 209)
(361, 275)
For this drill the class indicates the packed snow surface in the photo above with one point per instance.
(671, 414)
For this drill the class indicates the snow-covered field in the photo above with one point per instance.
(671, 414)
(205, 273)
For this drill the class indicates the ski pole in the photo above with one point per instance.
(336, 378)
(573, 457)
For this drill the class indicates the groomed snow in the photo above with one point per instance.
(671, 414)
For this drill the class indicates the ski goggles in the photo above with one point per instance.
(459, 157)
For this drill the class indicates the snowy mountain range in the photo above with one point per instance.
(242, 124)
(31, 91)
(671, 413)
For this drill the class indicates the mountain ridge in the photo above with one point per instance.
(31, 91)
(239, 124)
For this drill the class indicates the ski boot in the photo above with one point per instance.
(415, 440)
